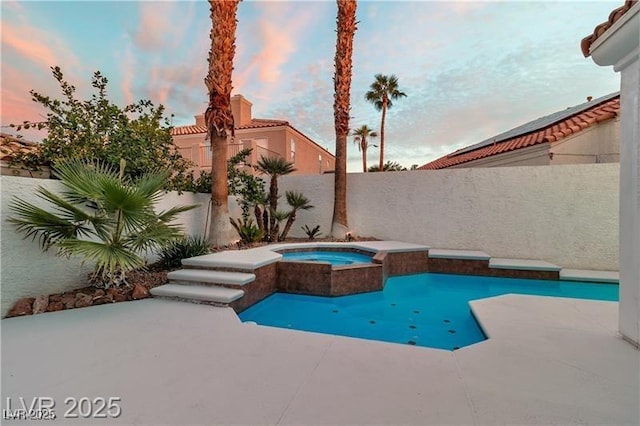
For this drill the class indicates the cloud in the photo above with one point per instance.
(158, 29)
(36, 45)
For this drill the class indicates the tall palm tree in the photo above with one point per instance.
(346, 22)
(361, 134)
(274, 167)
(383, 91)
(218, 116)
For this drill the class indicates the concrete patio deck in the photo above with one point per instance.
(549, 360)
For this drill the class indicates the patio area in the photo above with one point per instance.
(549, 360)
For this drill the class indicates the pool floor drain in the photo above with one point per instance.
(412, 326)
(411, 342)
(335, 311)
(416, 312)
(447, 321)
(372, 322)
(452, 331)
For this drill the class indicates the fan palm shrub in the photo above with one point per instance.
(297, 201)
(274, 167)
(101, 216)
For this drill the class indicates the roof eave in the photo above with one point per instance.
(618, 41)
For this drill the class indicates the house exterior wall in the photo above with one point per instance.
(279, 140)
(566, 215)
(595, 144)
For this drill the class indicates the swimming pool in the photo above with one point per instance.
(429, 310)
(336, 258)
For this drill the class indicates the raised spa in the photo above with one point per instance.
(335, 258)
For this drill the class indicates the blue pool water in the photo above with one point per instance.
(337, 258)
(424, 309)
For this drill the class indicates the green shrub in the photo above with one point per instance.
(171, 256)
(247, 230)
(312, 233)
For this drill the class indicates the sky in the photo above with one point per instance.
(470, 69)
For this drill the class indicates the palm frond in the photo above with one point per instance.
(108, 258)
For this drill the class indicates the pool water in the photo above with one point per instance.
(428, 309)
(336, 258)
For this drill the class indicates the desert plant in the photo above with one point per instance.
(247, 230)
(189, 246)
(274, 167)
(297, 201)
(312, 233)
(102, 216)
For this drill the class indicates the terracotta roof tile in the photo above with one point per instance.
(256, 123)
(10, 146)
(539, 131)
(616, 14)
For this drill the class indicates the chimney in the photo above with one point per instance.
(589, 98)
(200, 120)
(241, 109)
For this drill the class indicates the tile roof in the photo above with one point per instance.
(615, 14)
(550, 128)
(10, 146)
(256, 123)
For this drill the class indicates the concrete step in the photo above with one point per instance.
(522, 264)
(210, 277)
(201, 293)
(458, 254)
(611, 277)
(236, 259)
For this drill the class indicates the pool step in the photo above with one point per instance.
(207, 277)
(458, 254)
(611, 277)
(198, 293)
(247, 260)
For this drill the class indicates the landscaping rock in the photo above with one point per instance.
(101, 300)
(40, 304)
(55, 306)
(68, 300)
(55, 298)
(119, 297)
(139, 292)
(99, 292)
(22, 307)
(83, 300)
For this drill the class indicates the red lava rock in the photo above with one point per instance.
(119, 297)
(55, 306)
(139, 292)
(69, 300)
(22, 307)
(83, 300)
(101, 300)
(55, 298)
(99, 292)
(40, 304)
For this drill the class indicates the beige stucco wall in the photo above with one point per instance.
(596, 144)
(279, 141)
(25, 271)
(567, 214)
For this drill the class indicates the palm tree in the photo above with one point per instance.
(297, 201)
(361, 134)
(346, 22)
(218, 116)
(274, 167)
(102, 216)
(382, 92)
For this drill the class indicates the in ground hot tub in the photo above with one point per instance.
(335, 258)
(329, 272)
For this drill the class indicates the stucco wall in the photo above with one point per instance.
(25, 271)
(567, 215)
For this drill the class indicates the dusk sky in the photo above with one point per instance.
(470, 70)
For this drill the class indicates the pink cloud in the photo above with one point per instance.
(35, 45)
(158, 27)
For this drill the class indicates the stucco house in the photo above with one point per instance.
(585, 133)
(265, 137)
